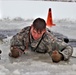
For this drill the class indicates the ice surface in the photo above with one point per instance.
(32, 63)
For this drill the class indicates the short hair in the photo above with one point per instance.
(39, 24)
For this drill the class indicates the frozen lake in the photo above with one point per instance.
(32, 63)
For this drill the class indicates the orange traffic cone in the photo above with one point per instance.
(49, 19)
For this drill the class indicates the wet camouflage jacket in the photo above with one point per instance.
(46, 44)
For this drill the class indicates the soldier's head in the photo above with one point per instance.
(38, 28)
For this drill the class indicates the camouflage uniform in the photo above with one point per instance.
(46, 44)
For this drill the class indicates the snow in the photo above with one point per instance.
(32, 63)
(33, 9)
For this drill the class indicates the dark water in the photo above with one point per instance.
(6, 33)
(71, 42)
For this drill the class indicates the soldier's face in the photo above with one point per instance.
(36, 34)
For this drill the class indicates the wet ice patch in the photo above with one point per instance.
(3, 70)
(16, 72)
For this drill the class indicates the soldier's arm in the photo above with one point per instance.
(63, 52)
(67, 52)
(17, 40)
(60, 51)
(65, 49)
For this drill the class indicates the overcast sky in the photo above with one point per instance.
(33, 9)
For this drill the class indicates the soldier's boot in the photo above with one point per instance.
(14, 53)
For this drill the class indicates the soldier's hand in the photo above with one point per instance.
(14, 52)
(56, 56)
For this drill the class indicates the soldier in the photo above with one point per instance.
(39, 40)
